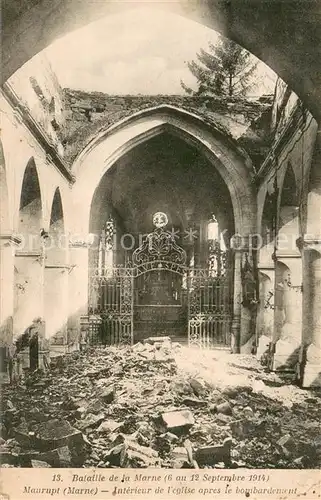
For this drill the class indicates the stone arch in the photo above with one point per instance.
(231, 162)
(30, 220)
(57, 245)
(288, 224)
(28, 267)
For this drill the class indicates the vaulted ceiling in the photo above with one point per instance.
(285, 34)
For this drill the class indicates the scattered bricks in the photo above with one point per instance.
(56, 434)
(135, 456)
(179, 421)
(39, 464)
(225, 408)
(109, 426)
(211, 455)
(179, 458)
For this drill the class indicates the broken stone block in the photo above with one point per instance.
(90, 421)
(108, 395)
(60, 457)
(114, 454)
(248, 412)
(179, 457)
(7, 457)
(55, 434)
(225, 408)
(95, 407)
(168, 436)
(135, 456)
(287, 442)
(241, 428)
(198, 386)
(222, 418)
(211, 455)
(179, 421)
(109, 426)
(39, 464)
(24, 436)
(190, 401)
(156, 340)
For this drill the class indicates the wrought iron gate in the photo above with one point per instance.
(182, 301)
(111, 307)
(210, 309)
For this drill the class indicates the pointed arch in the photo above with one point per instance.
(30, 205)
(232, 163)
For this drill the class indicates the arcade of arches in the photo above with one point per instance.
(162, 223)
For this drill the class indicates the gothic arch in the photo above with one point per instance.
(231, 162)
(30, 205)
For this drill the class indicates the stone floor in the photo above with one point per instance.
(159, 405)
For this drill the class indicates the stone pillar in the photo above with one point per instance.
(237, 299)
(78, 290)
(29, 286)
(7, 243)
(311, 355)
(265, 314)
(56, 307)
(287, 311)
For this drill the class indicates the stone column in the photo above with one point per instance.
(288, 311)
(311, 355)
(237, 299)
(78, 290)
(7, 243)
(56, 307)
(265, 314)
(29, 286)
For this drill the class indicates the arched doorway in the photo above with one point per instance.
(29, 271)
(56, 278)
(156, 177)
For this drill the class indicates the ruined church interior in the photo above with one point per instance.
(158, 236)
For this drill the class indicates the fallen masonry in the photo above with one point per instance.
(153, 405)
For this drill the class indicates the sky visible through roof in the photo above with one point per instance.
(137, 52)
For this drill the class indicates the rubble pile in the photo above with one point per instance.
(133, 407)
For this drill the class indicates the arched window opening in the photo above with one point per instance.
(216, 248)
(107, 246)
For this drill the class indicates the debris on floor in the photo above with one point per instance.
(157, 404)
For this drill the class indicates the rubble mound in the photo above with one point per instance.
(136, 407)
